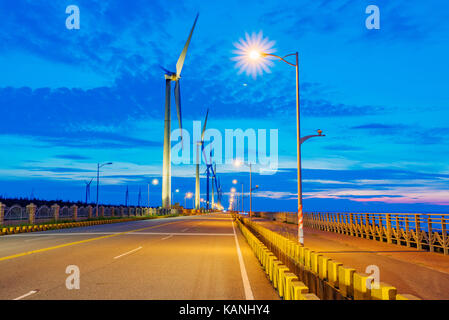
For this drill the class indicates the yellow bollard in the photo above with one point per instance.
(361, 290)
(314, 256)
(273, 268)
(309, 296)
(332, 272)
(345, 280)
(384, 291)
(270, 262)
(307, 260)
(281, 279)
(406, 296)
(322, 267)
(298, 290)
(288, 279)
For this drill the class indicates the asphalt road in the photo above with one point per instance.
(194, 257)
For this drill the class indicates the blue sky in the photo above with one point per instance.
(72, 98)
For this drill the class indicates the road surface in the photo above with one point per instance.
(193, 257)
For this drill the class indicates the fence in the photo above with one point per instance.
(31, 214)
(422, 231)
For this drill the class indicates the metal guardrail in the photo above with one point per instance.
(423, 231)
(428, 231)
(17, 215)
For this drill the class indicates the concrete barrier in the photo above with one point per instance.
(283, 280)
(406, 297)
(346, 281)
(361, 289)
(322, 271)
(322, 267)
(384, 291)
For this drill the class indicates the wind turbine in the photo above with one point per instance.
(139, 197)
(169, 77)
(88, 189)
(208, 171)
(198, 160)
(126, 197)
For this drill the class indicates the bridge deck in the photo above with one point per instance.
(421, 273)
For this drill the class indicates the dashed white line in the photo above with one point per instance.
(165, 238)
(26, 295)
(124, 254)
(184, 229)
(245, 280)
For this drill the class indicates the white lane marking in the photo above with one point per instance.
(124, 254)
(165, 238)
(137, 233)
(245, 280)
(184, 229)
(26, 295)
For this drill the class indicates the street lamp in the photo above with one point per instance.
(238, 163)
(98, 181)
(257, 52)
(177, 190)
(154, 182)
(187, 196)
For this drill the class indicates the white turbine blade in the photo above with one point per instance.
(182, 57)
(204, 127)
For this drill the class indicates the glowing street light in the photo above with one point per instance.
(188, 195)
(253, 57)
(154, 182)
(249, 54)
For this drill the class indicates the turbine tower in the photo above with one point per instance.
(198, 160)
(169, 77)
(88, 189)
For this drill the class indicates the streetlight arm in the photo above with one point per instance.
(303, 139)
(104, 164)
(281, 58)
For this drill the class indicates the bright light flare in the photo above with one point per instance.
(251, 54)
(237, 162)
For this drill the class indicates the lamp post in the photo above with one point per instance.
(254, 52)
(177, 190)
(154, 182)
(98, 181)
(188, 195)
(256, 55)
(238, 163)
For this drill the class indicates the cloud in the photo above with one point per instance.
(102, 40)
(342, 147)
(376, 126)
(71, 157)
